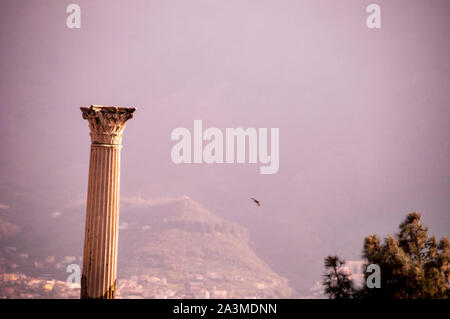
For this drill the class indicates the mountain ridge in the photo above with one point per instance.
(168, 248)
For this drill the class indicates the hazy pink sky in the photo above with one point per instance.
(363, 114)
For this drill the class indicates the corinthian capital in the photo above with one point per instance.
(107, 122)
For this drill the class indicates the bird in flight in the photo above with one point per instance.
(256, 201)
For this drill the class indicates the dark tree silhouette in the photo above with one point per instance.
(337, 282)
(412, 265)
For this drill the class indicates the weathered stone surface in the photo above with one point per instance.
(107, 122)
(102, 209)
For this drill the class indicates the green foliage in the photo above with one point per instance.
(413, 265)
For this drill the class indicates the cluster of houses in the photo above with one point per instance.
(195, 286)
(14, 285)
(192, 286)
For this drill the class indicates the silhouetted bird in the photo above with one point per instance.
(256, 201)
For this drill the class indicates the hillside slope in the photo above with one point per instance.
(195, 252)
(168, 248)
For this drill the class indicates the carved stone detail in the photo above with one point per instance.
(107, 122)
(102, 206)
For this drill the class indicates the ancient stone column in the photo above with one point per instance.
(106, 123)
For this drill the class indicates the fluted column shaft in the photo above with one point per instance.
(102, 223)
(98, 278)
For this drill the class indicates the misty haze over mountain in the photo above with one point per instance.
(173, 247)
(363, 119)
